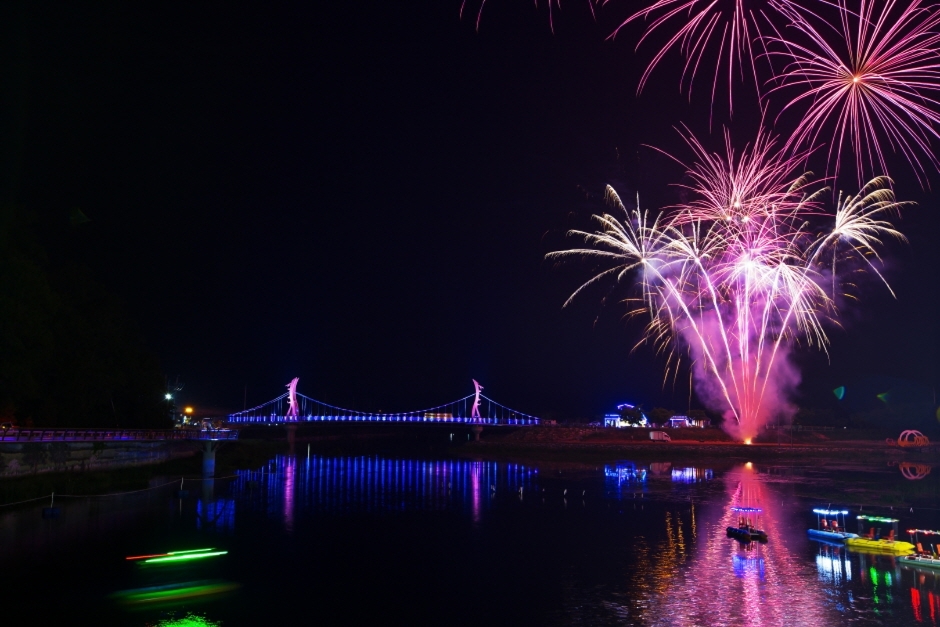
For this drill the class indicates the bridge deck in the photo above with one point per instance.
(113, 435)
(274, 419)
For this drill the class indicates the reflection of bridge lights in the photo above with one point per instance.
(341, 484)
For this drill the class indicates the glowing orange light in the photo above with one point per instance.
(188, 410)
(747, 440)
(749, 464)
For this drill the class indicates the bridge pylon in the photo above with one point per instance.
(208, 459)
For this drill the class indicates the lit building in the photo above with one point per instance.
(621, 419)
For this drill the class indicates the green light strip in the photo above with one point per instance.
(191, 551)
(179, 558)
(878, 519)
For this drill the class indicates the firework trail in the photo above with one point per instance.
(551, 9)
(872, 79)
(695, 27)
(741, 272)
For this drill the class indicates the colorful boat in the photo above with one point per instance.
(923, 558)
(830, 526)
(873, 541)
(745, 531)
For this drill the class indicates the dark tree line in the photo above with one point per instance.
(69, 354)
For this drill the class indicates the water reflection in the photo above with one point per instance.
(316, 483)
(624, 472)
(924, 589)
(662, 560)
(215, 514)
(691, 475)
(732, 583)
(833, 567)
(913, 471)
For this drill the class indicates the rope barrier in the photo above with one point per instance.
(98, 496)
(38, 498)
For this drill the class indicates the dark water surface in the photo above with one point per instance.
(380, 540)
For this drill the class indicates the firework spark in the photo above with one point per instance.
(741, 272)
(874, 78)
(696, 26)
(551, 9)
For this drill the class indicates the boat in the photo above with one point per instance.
(831, 529)
(745, 531)
(929, 558)
(872, 540)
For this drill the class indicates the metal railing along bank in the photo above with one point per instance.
(114, 435)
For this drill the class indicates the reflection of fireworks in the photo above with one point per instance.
(875, 76)
(727, 583)
(738, 273)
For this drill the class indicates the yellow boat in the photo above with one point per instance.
(871, 540)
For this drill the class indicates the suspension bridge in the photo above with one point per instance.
(293, 407)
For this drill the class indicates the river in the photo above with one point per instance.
(349, 540)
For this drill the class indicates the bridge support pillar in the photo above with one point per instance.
(477, 430)
(208, 459)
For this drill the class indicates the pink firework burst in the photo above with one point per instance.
(740, 273)
(701, 30)
(739, 186)
(872, 81)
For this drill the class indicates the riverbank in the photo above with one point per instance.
(588, 444)
(231, 456)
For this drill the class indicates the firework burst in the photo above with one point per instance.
(741, 272)
(872, 81)
(697, 28)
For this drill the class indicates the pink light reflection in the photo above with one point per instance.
(289, 465)
(767, 587)
(475, 472)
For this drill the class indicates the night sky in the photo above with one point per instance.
(361, 194)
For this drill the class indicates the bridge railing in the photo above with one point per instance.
(275, 419)
(113, 435)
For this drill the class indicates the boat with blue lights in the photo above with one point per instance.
(830, 526)
(746, 531)
(923, 558)
(874, 540)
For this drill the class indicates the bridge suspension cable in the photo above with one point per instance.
(313, 410)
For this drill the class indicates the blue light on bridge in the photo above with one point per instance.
(277, 411)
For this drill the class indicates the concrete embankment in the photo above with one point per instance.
(29, 458)
(592, 444)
